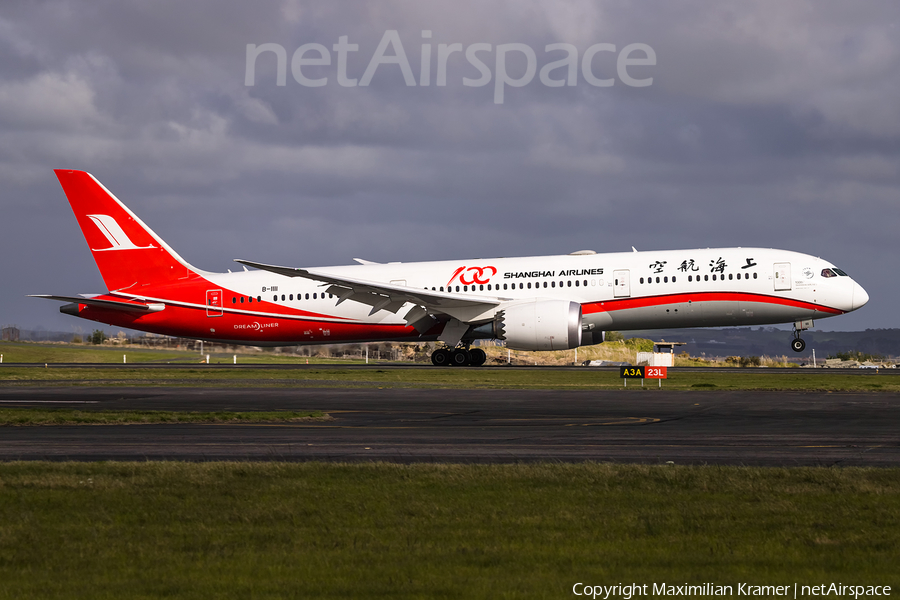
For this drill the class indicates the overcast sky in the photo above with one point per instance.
(772, 123)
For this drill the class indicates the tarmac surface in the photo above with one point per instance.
(469, 426)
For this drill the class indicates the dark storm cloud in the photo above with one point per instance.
(767, 123)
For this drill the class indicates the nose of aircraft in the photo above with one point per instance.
(860, 297)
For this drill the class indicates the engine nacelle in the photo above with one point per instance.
(540, 325)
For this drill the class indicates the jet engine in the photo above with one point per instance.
(540, 325)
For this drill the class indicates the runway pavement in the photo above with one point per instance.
(412, 425)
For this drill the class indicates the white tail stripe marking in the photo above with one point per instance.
(114, 234)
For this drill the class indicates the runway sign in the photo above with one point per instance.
(631, 372)
(655, 372)
(643, 372)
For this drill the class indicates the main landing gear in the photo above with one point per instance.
(458, 357)
(797, 344)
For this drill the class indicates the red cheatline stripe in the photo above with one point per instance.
(626, 303)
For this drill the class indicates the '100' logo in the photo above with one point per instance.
(470, 275)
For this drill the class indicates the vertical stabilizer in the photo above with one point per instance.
(127, 252)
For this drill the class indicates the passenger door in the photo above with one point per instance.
(621, 284)
(213, 303)
(782, 277)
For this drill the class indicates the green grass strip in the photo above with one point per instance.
(584, 378)
(62, 416)
(313, 530)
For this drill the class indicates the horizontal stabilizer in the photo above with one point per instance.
(100, 303)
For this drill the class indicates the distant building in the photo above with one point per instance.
(663, 354)
(11, 334)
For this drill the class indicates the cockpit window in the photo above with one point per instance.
(839, 272)
(828, 273)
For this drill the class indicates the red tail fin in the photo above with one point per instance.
(127, 252)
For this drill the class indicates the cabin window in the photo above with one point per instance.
(576, 283)
(569, 283)
(657, 280)
(754, 276)
(665, 280)
(706, 278)
(521, 286)
(275, 298)
(480, 288)
(315, 296)
(233, 300)
(529, 285)
(504, 286)
(457, 288)
(673, 279)
(250, 299)
(553, 284)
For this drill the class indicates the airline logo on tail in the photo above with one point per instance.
(114, 234)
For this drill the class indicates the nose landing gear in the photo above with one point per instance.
(797, 344)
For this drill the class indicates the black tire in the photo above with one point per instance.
(798, 345)
(460, 357)
(440, 358)
(478, 357)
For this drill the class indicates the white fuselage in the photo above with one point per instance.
(621, 291)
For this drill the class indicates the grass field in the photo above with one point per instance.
(276, 530)
(26, 352)
(585, 378)
(63, 416)
(314, 530)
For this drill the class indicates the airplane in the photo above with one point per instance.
(530, 303)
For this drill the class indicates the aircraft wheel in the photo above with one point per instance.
(460, 357)
(478, 357)
(440, 358)
(798, 345)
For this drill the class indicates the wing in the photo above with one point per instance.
(392, 297)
